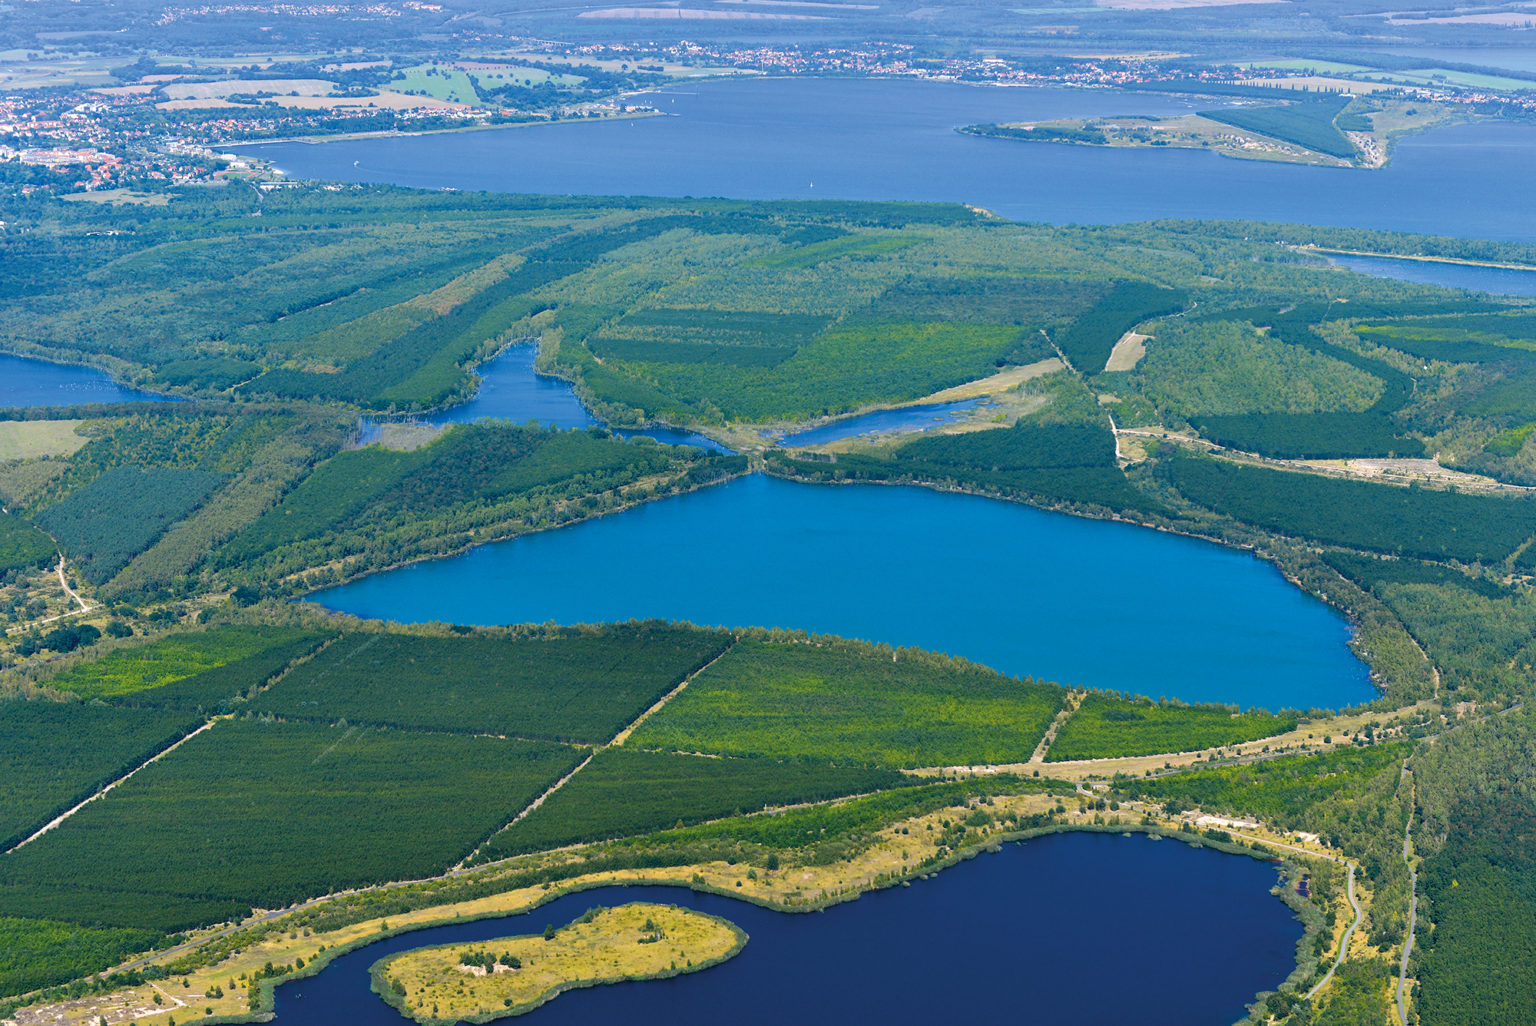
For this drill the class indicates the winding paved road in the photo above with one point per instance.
(1353, 902)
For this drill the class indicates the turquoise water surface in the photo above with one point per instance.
(1079, 601)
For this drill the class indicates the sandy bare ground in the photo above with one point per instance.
(1307, 737)
(1405, 471)
(1002, 381)
(1127, 352)
(1384, 471)
(407, 437)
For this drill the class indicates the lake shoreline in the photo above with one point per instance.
(264, 999)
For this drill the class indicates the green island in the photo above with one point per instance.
(212, 788)
(499, 978)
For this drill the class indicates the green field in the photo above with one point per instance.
(624, 792)
(1105, 727)
(1382, 518)
(578, 687)
(849, 703)
(1308, 123)
(159, 663)
(263, 814)
(118, 515)
(1284, 791)
(59, 753)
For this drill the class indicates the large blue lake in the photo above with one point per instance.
(896, 140)
(1175, 936)
(1079, 601)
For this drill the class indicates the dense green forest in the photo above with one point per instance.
(22, 545)
(1072, 463)
(1383, 518)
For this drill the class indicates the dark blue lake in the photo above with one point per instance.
(1085, 602)
(896, 140)
(1084, 929)
(25, 381)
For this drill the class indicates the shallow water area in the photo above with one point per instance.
(1079, 601)
(1507, 281)
(1187, 937)
(510, 389)
(906, 418)
(26, 381)
(888, 139)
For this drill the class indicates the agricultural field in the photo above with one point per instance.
(1104, 726)
(579, 687)
(255, 813)
(848, 703)
(118, 515)
(149, 668)
(30, 439)
(339, 755)
(1309, 123)
(1377, 517)
(439, 81)
(59, 753)
(625, 791)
